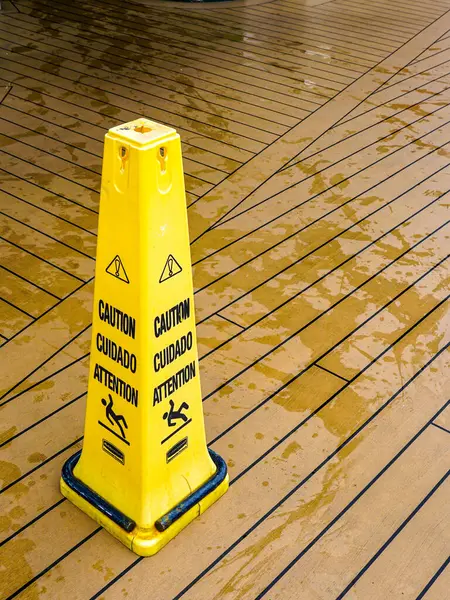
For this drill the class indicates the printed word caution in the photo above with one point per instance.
(172, 317)
(116, 318)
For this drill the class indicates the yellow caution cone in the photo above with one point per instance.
(145, 471)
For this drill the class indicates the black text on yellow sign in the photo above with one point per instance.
(145, 471)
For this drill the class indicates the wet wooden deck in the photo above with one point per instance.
(317, 170)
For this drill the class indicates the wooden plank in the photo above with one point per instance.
(83, 219)
(21, 454)
(256, 172)
(251, 497)
(90, 126)
(277, 81)
(33, 494)
(201, 174)
(75, 533)
(343, 257)
(388, 92)
(31, 63)
(393, 109)
(346, 546)
(220, 28)
(436, 49)
(236, 110)
(287, 213)
(46, 276)
(41, 401)
(12, 319)
(51, 164)
(443, 419)
(318, 256)
(54, 252)
(413, 557)
(396, 30)
(313, 175)
(196, 186)
(43, 171)
(67, 129)
(203, 60)
(260, 349)
(315, 55)
(164, 67)
(388, 12)
(393, 21)
(415, 11)
(439, 587)
(418, 67)
(48, 224)
(45, 138)
(377, 29)
(228, 42)
(24, 295)
(64, 321)
(349, 357)
(67, 354)
(353, 539)
(330, 32)
(213, 332)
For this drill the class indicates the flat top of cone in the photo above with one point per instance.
(142, 131)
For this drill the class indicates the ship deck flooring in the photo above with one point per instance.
(317, 170)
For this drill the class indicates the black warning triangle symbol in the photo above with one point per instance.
(117, 270)
(171, 268)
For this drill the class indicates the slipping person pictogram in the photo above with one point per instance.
(113, 417)
(173, 415)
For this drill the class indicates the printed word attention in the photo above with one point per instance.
(173, 383)
(117, 385)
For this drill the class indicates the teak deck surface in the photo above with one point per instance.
(316, 141)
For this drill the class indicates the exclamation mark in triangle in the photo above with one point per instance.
(117, 270)
(171, 268)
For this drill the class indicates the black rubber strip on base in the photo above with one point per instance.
(209, 486)
(92, 497)
(124, 522)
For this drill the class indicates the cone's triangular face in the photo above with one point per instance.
(171, 268)
(116, 269)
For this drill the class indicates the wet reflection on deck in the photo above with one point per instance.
(317, 172)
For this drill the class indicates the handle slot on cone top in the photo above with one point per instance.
(162, 157)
